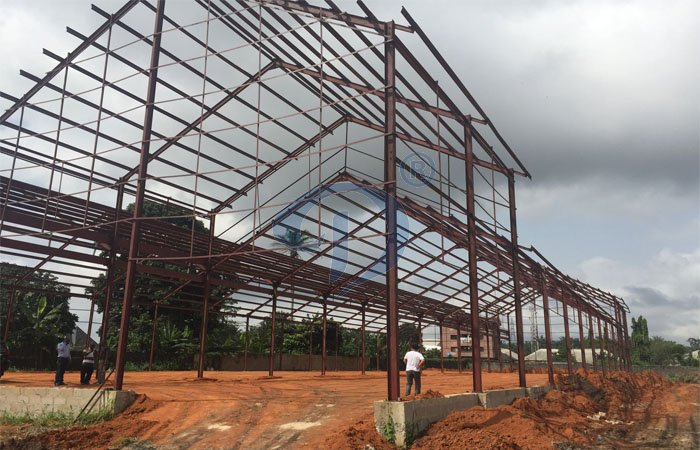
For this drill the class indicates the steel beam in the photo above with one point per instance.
(392, 321)
(271, 355)
(567, 338)
(140, 191)
(547, 329)
(581, 338)
(516, 281)
(472, 266)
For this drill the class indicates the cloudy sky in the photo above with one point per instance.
(600, 99)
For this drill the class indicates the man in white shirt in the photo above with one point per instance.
(63, 350)
(414, 361)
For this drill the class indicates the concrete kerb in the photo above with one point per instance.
(405, 420)
(42, 400)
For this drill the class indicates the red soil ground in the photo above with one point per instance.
(242, 410)
(617, 411)
(299, 410)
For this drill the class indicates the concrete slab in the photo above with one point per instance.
(41, 400)
(405, 420)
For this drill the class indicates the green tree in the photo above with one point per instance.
(41, 313)
(222, 334)
(664, 353)
(640, 342)
(294, 242)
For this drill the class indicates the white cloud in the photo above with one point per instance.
(665, 289)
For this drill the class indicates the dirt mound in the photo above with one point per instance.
(585, 407)
(428, 394)
(362, 435)
(101, 435)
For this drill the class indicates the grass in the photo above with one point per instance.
(54, 419)
(388, 430)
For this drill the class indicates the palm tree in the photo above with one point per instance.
(294, 242)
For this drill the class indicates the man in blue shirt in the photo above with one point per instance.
(63, 350)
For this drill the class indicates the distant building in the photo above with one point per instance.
(489, 347)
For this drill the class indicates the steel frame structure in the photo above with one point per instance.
(268, 115)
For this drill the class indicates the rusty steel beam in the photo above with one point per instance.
(547, 330)
(438, 56)
(565, 314)
(603, 355)
(392, 321)
(516, 281)
(591, 339)
(154, 326)
(271, 355)
(472, 267)
(324, 335)
(581, 339)
(627, 341)
(140, 190)
(459, 349)
(324, 13)
(71, 56)
(363, 339)
(245, 344)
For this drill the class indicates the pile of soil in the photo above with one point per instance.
(585, 407)
(102, 435)
(361, 435)
(428, 394)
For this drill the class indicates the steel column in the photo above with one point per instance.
(10, 305)
(245, 345)
(392, 318)
(140, 191)
(271, 356)
(606, 337)
(567, 338)
(510, 345)
(473, 268)
(601, 342)
(591, 338)
(311, 342)
(488, 345)
(420, 332)
(547, 329)
(324, 335)
(207, 293)
(90, 317)
(154, 326)
(442, 351)
(363, 339)
(627, 341)
(336, 347)
(459, 348)
(516, 280)
(281, 348)
(203, 331)
(581, 339)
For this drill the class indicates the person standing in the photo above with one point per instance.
(414, 360)
(88, 365)
(63, 350)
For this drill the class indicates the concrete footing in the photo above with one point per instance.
(36, 401)
(405, 420)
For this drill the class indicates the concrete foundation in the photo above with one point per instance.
(41, 400)
(407, 419)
